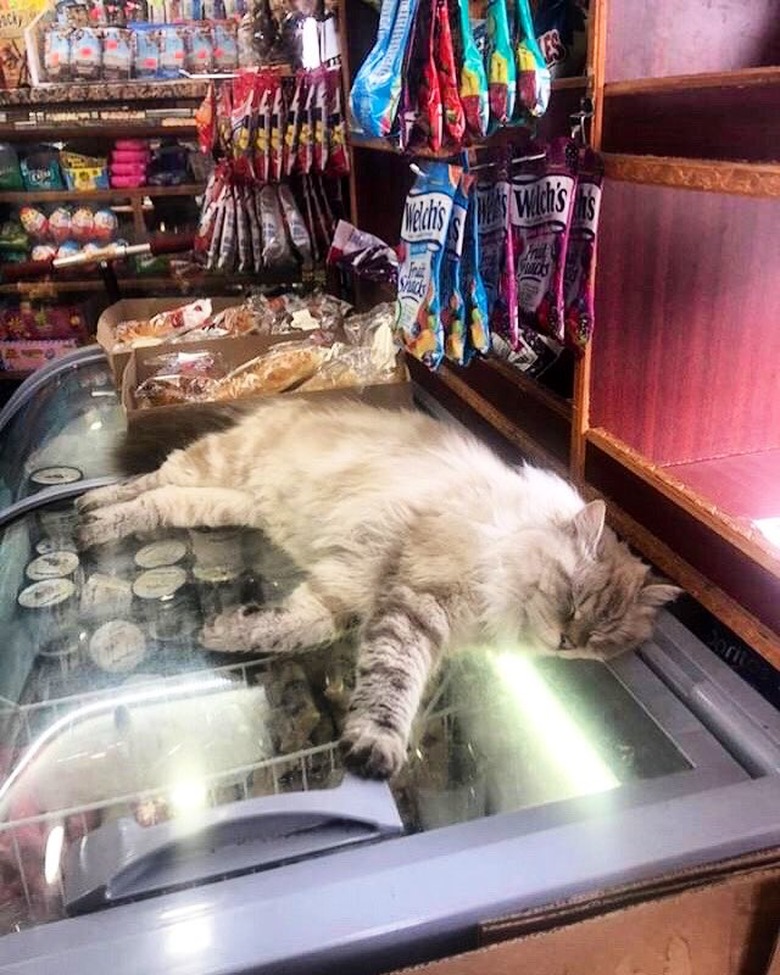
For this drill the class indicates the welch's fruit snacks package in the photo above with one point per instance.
(453, 305)
(541, 203)
(578, 273)
(473, 286)
(424, 228)
(496, 247)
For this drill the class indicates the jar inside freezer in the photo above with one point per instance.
(110, 709)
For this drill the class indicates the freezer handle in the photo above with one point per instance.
(122, 860)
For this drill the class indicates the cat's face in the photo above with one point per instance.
(599, 600)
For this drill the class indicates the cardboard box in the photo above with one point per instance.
(141, 309)
(723, 920)
(236, 351)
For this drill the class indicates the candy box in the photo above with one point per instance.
(15, 17)
(26, 355)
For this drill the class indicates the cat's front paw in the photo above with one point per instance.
(102, 525)
(371, 751)
(231, 631)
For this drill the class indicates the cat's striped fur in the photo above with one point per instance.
(410, 527)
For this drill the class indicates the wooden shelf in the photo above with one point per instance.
(212, 283)
(108, 130)
(737, 178)
(728, 115)
(106, 92)
(84, 196)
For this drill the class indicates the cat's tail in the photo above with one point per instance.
(152, 437)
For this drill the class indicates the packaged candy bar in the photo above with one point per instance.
(377, 86)
(117, 54)
(500, 64)
(578, 282)
(453, 308)
(277, 254)
(296, 227)
(173, 48)
(424, 227)
(86, 54)
(473, 87)
(473, 286)
(56, 53)
(200, 50)
(452, 109)
(542, 202)
(146, 50)
(225, 46)
(533, 75)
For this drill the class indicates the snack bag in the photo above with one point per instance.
(492, 215)
(117, 54)
(377, 85)
(578, 275)
(452, 109)
(277, 254)
(296, 227)
(533, 75)
(243, 238)
(542, 202)
(473, 286)
(473, 86)
(504, 315)
(500, 64)
(429, 103)
(338, 157)
(426, 220)
(453, 307)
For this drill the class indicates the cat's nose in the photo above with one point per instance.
(565, 643)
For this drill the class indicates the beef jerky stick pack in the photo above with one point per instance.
(578, 275)
(426, 220)
(542, 203)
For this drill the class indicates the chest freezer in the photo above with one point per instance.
(164, 808)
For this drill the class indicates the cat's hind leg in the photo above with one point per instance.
(302, 622)
(401, 644)
(169, 506)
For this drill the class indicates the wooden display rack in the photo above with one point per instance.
(673, 413)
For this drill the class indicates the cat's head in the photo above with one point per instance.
(596, 599)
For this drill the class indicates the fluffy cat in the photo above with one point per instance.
(411, 528)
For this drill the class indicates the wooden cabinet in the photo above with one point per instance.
(673, 414)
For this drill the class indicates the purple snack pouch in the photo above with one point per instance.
(578, 276)
(495, 248)
(541, 207)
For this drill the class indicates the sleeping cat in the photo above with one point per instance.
(409, 527)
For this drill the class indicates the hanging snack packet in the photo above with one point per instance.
(296, 227)
(578, 275)
(278, 124)
(277, 254)
(504, 315)
(492, 213)
(256, 237)
(473, 88)
(293, 126)
(499, 64)
(305, 154)
(453, 306)
(228, 248)
(387, 12)
(320, 123)
(426, 220)
(338, 157)
(542, 202)
(411, 87)
(452, 109)
(242, 232)
(218, 227)
(263, 128)
(533, 75)
(377, 86)
(473, 286)
(429, 105)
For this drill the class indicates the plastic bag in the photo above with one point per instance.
(180, 377)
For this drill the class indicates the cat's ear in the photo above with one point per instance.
(588, 526)
(659, 593)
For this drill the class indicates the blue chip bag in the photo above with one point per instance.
(376, 89)
(474, 294)
(453, 307)
(426, 221)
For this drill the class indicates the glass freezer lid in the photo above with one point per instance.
(114, 721)
(62, 433)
